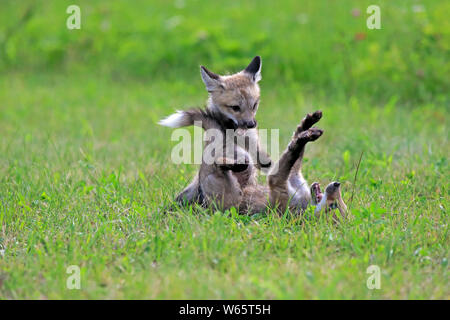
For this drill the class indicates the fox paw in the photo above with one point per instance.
(300, 140)
(312, 134)
(266, 164)
(316, 193)
(230, 164)
(308, 121)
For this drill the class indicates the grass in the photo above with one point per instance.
(85, 172)
(84, 185)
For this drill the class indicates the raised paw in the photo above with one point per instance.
(312, 134)
(316, 193)
(300, 140)
(308, 121)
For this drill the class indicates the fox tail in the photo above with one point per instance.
(185, 118)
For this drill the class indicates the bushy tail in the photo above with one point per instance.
(186, 118)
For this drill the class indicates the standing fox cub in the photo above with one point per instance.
(230, 180)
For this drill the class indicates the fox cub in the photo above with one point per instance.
(230, 180)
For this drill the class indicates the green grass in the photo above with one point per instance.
(85, 172)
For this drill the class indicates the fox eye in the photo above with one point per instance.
(255, 105)
(235, 108)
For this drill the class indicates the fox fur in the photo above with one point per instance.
(232, 104)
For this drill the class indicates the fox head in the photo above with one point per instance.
(234, 98)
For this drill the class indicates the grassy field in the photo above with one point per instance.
(85, 172)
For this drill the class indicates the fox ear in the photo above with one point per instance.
(254, 68)
(211, 80)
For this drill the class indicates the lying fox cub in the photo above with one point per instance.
(230, 180)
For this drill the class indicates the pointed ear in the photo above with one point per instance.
(254, 68)
(212, 81)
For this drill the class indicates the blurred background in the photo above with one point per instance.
(323, 47)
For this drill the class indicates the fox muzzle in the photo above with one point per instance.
(248, 124)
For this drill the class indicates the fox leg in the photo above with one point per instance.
(297, 184)
(296, 178)
(252, 146)
(280, 191)
(190, 194)
(308, 121)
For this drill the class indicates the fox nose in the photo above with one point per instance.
(337, 184)
(250, 124)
